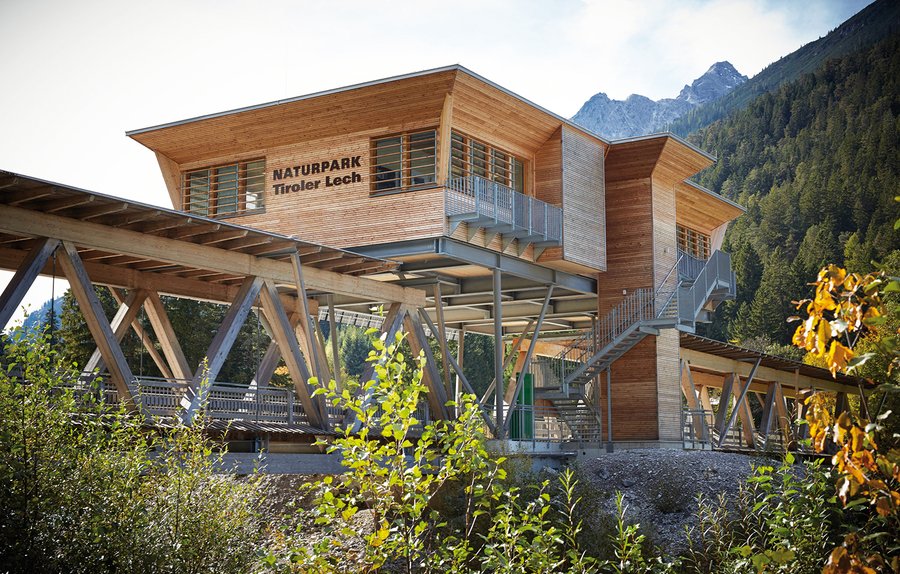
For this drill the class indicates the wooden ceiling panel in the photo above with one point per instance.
(702, 209)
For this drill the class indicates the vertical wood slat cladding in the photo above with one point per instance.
(548, 170)
(668, 391)
(629, 266)
(667, 355)
(583, 200)
(634, 396)
(629, 253)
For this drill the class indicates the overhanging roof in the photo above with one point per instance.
(418, 97)
(741, 354)
(29, 194)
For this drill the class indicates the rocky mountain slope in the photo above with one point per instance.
(875, 22)
(639, 115)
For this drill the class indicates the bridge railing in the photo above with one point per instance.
(162, 398)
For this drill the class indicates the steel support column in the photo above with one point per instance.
(498, 354)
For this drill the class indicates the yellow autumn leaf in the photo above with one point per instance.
(838, 357)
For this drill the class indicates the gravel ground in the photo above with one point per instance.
(659, 488)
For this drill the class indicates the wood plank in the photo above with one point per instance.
(198, 389)
(128, 242)
(24, 277)
(94, 316)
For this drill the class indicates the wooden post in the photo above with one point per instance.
(320, 339)
(333, 334)
(724, 401)
(437, 399)
(444, 128)
(99, 327)
(24, 277)
(689, 390)
(742, 409)
(144, 336)
(784, 420)
(313, 350)
(126, 314)
(165, 333)
(704, 399)
(441, 335)
(195, 396)
(282, 333)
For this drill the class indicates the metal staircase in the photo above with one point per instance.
(698, 288)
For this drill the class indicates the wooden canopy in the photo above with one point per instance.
(125, 242)
(419, 98)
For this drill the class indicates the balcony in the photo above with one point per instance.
(499, 210)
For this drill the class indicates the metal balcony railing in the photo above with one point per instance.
(496, 208)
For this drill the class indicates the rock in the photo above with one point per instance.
(639, 115)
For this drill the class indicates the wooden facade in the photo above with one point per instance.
(457, 203)
(619, 204)
(343, 124)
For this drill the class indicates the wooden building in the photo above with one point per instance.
(594, 257)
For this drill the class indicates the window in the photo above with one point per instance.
(692, 242)
(224, 190)
(404, 161)
(469, 156)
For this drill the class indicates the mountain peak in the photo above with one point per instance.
(639, 115)
(717, 81)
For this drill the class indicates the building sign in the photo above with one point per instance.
(300, 177)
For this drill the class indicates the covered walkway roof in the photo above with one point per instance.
(709, 355)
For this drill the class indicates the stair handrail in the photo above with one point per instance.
(669, 274)
(703, 284)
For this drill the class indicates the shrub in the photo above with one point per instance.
(85, 487)
(784, 520)
(401, 480)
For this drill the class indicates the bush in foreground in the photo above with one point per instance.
(85, 487)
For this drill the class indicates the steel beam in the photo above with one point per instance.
(466, 253)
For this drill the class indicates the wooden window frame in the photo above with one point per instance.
(214, 207)
(490, 150)
(694, 243)
(405, 177)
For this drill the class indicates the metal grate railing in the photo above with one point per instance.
(689, 267)
(550, 424)
(639, 306)
(716, 274)
(477, 196)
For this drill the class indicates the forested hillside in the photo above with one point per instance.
(816, 164)
(875, 22)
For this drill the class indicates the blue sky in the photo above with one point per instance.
(77, 75)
